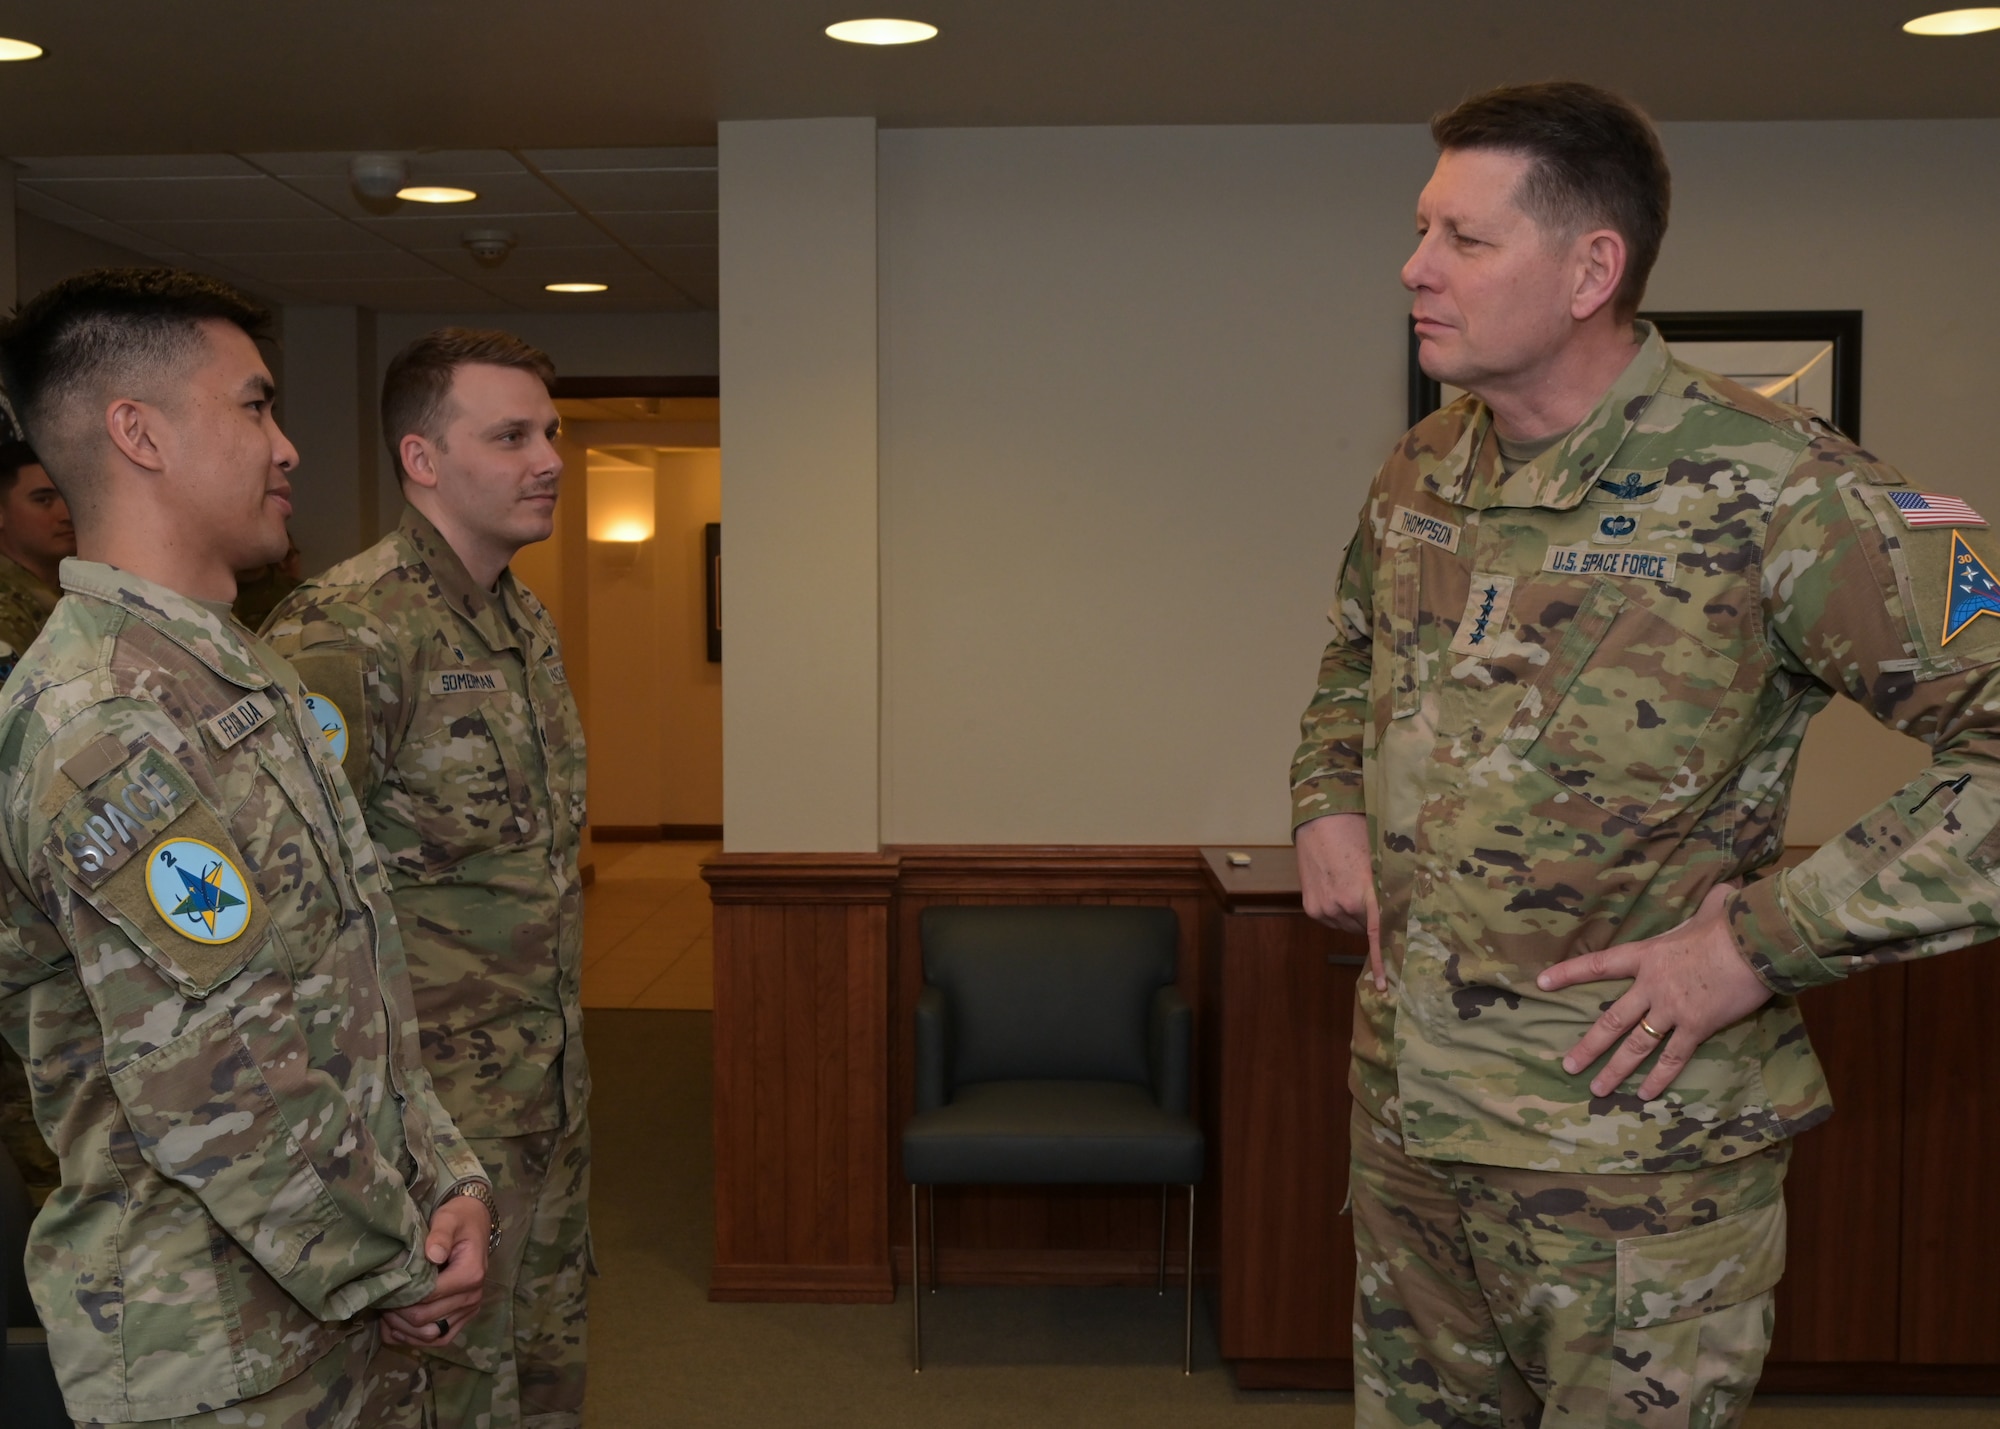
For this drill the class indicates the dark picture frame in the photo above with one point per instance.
(711, 549)
(1840, 326)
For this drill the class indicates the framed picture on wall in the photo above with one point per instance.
(1806, 358)
(711, 547)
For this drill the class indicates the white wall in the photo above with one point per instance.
(1134, 383)
(800, 704)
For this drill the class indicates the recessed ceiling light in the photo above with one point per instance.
(18, 50)
(435, 193)
(881, 32)
(576, 287)
(1955, 22)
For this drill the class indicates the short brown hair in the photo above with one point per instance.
(1597, 161)
(13, 457)
(417, 388)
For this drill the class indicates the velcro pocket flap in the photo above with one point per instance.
(1689, 1272)
(144, 848)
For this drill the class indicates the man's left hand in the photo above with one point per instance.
(1687, 985)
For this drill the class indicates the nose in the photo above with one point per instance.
(1418, 272)
(284, 455)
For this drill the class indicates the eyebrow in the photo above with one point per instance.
(510, 424)
(261, 386)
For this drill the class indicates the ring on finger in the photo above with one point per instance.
(1650, 1030)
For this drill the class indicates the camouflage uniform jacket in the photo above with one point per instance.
(466, 748)
(1569, 701)
(25, 604)
(200, 966)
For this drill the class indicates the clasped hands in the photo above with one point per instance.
(456, 1244)
(1687, 983)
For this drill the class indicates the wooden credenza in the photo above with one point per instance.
(1894, 1204)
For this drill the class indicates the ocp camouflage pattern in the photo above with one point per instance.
(25, 604)
(249, 1142)
(1570, 702)
(467, 750)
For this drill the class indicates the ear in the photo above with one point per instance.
(1599, 265)
(419, 458)
(136, 429)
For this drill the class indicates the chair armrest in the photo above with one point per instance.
(931, 1048)
(1170, 1049)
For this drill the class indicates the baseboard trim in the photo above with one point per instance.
(656, 833)
(819, 1284)
(1942, 1379)
(1293, 1374)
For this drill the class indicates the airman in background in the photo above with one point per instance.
(198, 959)
(35, 537)
(438, 681)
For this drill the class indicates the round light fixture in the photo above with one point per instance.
(576, 287)
(435, 193)
(18, 50)
(881, 32)
(1955, 22)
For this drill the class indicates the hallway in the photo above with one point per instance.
(647, 930)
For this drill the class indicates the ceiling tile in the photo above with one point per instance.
(656, 230)
(641, 190)
(543, 265)
(416, 296)
(515, 193)
(427, 232)
(251, 198)
(321, 235)
(140, 166)
(583, 160)
(693, 259)
(391, 264)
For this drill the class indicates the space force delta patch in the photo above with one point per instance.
(1597, 561)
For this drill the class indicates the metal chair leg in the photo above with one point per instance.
(916, 1289)
(1187, 1336)
(930, 1195)
(1162, 1288)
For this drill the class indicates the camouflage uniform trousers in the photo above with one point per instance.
(1490, 1296)
(521, 1360)
(327, 1394)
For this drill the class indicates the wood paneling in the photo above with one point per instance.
(1951, 1154)
(1844, 1190)
(997, 1235)
(801, 1076)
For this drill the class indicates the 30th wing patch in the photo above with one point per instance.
(139, 842)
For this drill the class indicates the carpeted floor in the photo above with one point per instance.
(662, 1355)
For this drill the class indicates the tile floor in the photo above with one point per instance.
(648, 934)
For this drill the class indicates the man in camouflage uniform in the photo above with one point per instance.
(1579, 634)
(440, 678)
(35, 537)
(199, 962)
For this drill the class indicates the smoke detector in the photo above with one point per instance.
(489, 245)
(378, 176)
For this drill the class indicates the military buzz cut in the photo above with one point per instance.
(416, 390)
(100, 335)
(1596, 162)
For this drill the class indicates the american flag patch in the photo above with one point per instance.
(1929, 509)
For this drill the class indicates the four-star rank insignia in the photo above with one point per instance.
(1972, 592)
(198, 890)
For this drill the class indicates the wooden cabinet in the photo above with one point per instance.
(1894, 1243)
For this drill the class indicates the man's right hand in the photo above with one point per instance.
(456, 1244)
(1337, 880)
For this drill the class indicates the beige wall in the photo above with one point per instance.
(800, 703)
(1134, 383)
(656, 732)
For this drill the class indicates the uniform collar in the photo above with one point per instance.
(485, 609)
(1561, 476)
(214, 639)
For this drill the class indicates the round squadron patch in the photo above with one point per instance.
(198, 891)
(332, 724)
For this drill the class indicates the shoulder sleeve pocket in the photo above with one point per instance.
(140, 844)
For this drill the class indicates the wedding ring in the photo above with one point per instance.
(1650, 1030)
(444, 1327)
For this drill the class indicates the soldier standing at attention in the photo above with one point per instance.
(438, 679)
(1579, 633)
(198, 959)
(35, 537)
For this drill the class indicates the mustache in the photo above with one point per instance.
(541, 488)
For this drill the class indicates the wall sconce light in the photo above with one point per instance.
(620, 516)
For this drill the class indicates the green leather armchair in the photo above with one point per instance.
(1052, 1047)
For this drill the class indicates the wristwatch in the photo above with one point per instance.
(482, 1192)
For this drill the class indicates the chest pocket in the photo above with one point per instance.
(1398, 592)
(455, 787)
(1632, 713)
